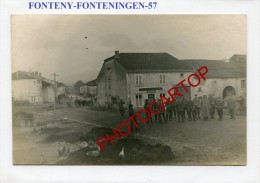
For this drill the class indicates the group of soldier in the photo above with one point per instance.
(79, 102)
(200, 108)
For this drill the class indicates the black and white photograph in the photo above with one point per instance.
(129, 89)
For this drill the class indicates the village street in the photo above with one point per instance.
(199, 142)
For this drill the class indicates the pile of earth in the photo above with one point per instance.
(136, 152)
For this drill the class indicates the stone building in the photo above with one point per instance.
(89, 88)
(223, 78)
(33, 88)
(138, 76)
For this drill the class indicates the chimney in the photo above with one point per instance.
(40, 74)
(116, 54)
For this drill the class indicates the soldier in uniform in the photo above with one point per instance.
(121, 107)
(180, 106)
(155, 108)
(76, 102)
(129, 104)
(171, 107)
(69, 101)
(162, 113)
(185, 106)
(174, 110)
(190, 109)
(232, 107)
(168, 111)
(205, 107)
(80, 103)
(146, 107)
(212, 103)
(132, 112)
(197, 103)
(219, 106)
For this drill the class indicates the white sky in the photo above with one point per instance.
(56, 43)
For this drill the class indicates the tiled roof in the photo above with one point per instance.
(237, 57)
(27, 75)
(218, 68)
(211, 64)
(21, 75)
(150, 62)
(91, 83)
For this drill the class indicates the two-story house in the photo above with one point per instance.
(33, 88)
(136, 77)
(89, 88)
(223, 78)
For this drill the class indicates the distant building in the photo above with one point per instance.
(138, 76)
(89, 88)
(33, 88)
(224, 78)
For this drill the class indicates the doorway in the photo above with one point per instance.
(228, 91)
(150, 97)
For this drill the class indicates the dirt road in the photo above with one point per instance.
(210, 142)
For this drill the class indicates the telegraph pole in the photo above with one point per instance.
(55, 89)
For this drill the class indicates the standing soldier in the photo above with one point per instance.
(76, 102)
(174, 109)
(121, 107)
(132, 112)
(219, 106)
(197, 103)
(147, 108)
(162, 113)
(129, 105)
(168, 111)
(185, 106)
(212, 103)
(193, 112)
(84, 103)
(79, 102)
(205, 108)
(155, 108)
(69, 102)
(180, 109)
(232, 107)
(171, 111)
(190, 109)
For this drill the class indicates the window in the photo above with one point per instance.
(162, 79)
(33, 99)
(109, 83)
(138, 79)
(243, 83)
(162, 94)
(138, 100)
(114, 100)
(181, 75)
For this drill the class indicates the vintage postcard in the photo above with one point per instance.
(129, 89)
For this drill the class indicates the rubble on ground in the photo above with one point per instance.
(129, 150)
